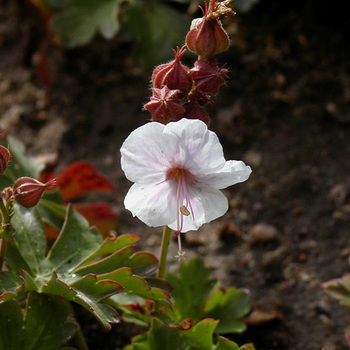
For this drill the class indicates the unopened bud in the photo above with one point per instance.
(173, 74)
(195, 111)
(207, 38)
(165, 105)
(208, 77)
(4, 158)
(27, 191)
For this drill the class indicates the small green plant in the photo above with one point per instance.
(178, 169)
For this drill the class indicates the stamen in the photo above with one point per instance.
(183, 202)
(178, 205)
(187, 196)
(184, 211)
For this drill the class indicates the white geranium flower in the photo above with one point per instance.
(178, 171)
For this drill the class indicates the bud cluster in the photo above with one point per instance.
(182, 92)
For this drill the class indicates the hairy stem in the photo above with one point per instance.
(164, 252)
(5, 221)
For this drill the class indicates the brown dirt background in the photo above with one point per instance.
(285, 111)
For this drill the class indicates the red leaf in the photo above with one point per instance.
(51, 232)
(99, 215)
(80, 178)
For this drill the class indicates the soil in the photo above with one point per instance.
(285, 112)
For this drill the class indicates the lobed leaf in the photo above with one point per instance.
(30, 237)
(228, 307)
(112, 244)
(225, 344)
(80, 266)
(191, 289)
(99, 215)
(46, 324)
(75, 242)
(152, 28)
(89, 298)
(10, 285)
(339, 289)
(78, 20)
(20, 163)
(11, 322)
(199, 337)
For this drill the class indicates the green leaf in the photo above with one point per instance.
(52, 209)
(30, 237)
(95, 288)
(111, 244)
(88, 298)
(228, 307)
(47, 324)
(79, 267)
(10, 284)
(77, 21)
(200, 337)
(156, 28)
(11, 321)
(134, 284)
(115, 260)
(14, 259)
(226, 344)
(75, 242)
(23, 165)
(191, 289)
(339, 289)
(247, 347)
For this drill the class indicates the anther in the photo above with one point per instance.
(184, 211)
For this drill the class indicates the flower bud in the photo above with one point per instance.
(4, 158)
(27, 191)
(165, 105)
(207, 37)
(208, 77)
(173, 74)
(195, 111)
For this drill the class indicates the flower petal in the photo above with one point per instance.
(207, 204)
(189, 144)
(142, 158)
(231, 173)
(153, 204)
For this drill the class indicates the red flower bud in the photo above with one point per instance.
(208, 77)
(207, 37)
(195, 111)
(28, 191)
(4, 158)
(173, 74)
(165, 105)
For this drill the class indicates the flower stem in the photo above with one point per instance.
(5, 221)
(164, 252)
